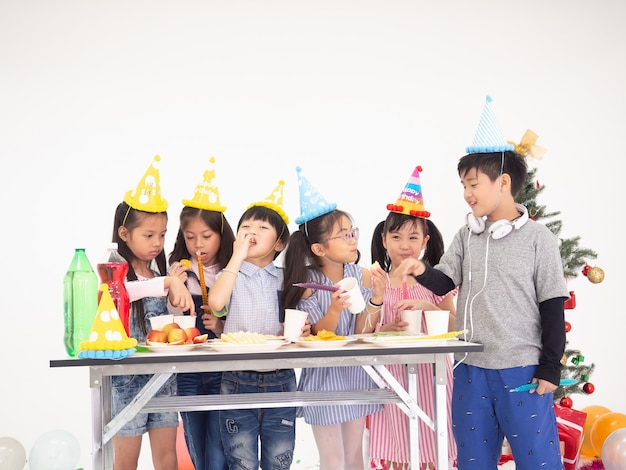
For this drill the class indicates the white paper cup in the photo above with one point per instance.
(352, 289)
(414, 320)
(294, 321)
(185, 321)
(436, 321)
(159, 322)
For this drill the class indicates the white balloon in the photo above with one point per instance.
(54, 450)
(614, 450)
(12, 454)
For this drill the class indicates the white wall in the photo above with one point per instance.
(90, 91)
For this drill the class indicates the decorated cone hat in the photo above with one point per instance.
(312, 204)
(488, 137)
(147, 195)
(274, 201)
(108, 339)
(206, 196)
(411, 201)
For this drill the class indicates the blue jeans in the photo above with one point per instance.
(202, 428)
(276, 427)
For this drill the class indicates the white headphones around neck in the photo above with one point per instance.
(500, 228)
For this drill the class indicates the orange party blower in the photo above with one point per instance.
(205, 295)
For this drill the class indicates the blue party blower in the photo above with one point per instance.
(527, 387)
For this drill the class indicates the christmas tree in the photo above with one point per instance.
(574, 258)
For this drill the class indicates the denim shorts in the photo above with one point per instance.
(124, 390)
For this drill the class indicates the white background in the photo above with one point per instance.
(355, 92)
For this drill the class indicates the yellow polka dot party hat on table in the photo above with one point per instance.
(108, 339)
(312, 204)
(274, 201)
(147, 195)
(206, 195)
(488, 137)
(411, 200)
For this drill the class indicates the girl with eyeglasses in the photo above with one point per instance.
(324, 250)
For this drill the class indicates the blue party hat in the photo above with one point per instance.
(488, 137)
(312, 204)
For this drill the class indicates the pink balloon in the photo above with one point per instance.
(12, 454)
(614, 450)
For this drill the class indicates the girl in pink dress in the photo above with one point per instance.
(398, 237)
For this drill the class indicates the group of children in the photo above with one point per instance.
(505, 268)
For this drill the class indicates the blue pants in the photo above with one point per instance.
(484, 412)
(202, 428)
(276, 427)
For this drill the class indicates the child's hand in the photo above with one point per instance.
(178, 295)
(241, 245)
(379, 280)
(179, 270)
(396, 325)
(306, 328)
(411, 267)
(340, 300)
(211, 322)
(415, 304)
(543, 387)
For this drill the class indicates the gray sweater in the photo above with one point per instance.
(501, 284)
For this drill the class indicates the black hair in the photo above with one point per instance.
(265, 214)
(299, 258)
(216, 222)
(493, 164)
(394, 222)
(126, 216)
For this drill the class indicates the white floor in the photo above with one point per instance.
(306, 456)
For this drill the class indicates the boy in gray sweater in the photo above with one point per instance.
(512, 290)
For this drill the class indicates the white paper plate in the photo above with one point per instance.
(222, 346)
(169, 348)
(329, 344)
(404, 341)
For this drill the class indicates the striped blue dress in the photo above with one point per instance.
(334, 378)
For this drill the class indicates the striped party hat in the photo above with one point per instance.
(411, 200)
(488, 137)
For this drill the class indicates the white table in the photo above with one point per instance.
(372, 358)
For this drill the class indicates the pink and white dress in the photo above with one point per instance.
(389, 428)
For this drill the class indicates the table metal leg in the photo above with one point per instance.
(441, 409)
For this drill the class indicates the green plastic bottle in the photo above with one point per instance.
(80, 296)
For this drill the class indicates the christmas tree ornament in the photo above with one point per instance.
(527, 146)
(568, 327)
(589, 388)
(595, 275)
(566, 402)
(570, 304)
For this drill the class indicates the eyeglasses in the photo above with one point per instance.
(347, 236)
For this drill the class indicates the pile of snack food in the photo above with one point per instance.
(245, 337)
(324, 335)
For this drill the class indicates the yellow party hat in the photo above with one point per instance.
(108, 339)
(147, 196)
(274, 201)
(206, 196)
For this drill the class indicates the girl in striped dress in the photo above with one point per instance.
(398, 237)
(324, 250)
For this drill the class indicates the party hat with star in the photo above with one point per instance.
(206, 196)
(147, 195)
(274, 201)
